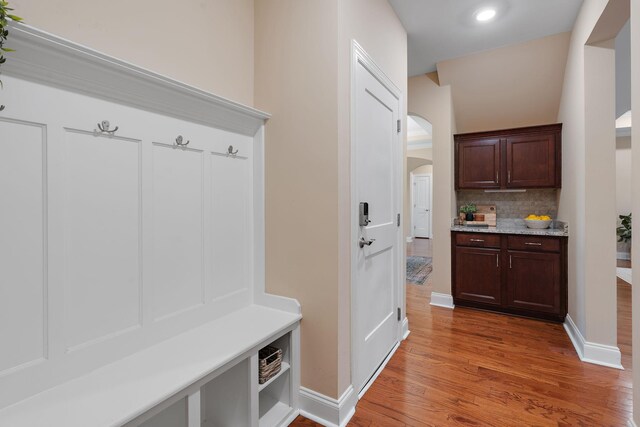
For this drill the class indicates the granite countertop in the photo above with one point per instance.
(515, 226)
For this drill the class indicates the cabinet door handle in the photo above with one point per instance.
(509, 176)
(476, 240)
(510, 262)
(497, 176)
(532, 244)
(498, 260)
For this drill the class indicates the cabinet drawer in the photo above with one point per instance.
(534, 243)
(478, 240)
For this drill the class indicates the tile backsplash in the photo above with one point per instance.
(514, 205)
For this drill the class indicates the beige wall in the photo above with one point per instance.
(426, 169)
(296, 80)
(433, 102)
(513, 86)
(303, 77)
(422, 153)
(207, 44)
(586, 200)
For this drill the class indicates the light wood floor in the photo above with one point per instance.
(470, 368)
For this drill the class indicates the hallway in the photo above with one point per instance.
(473, 368)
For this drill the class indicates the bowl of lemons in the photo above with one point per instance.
(538, 221)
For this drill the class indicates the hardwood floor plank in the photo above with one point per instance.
(466, 367)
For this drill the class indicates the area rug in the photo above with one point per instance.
(624, 274)
(418, 269)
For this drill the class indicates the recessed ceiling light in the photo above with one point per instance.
(485, 15)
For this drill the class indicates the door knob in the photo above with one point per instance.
(362, 243)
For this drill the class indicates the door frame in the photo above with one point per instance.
(413, 176)
(360, 56)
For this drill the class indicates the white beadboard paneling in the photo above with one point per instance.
(22, 244)
(102, 256)
(231, 248)
(178, 229)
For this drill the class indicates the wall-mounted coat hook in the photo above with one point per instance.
(1, 107)
(231, 152)
(180, 141)
(104, 127)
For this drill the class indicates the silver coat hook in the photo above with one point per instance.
(231, 152)
(180, 141)
(104, 127)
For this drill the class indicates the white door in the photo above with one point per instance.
(376, 160)
(422, 206)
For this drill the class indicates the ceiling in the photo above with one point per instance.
(445, 29)
(419, 132)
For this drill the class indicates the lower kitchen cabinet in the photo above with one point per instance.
(478, 273)
(534, 281)
(516, 274)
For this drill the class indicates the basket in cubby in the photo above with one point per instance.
(270, 363)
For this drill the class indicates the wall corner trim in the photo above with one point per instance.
(631, 423)
(405, 328)
(590, 352)
(441, 300)
(325, 410)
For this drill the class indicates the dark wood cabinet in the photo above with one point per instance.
(478, 273)
(517, 274)
(512, 158)
(534, 281)
(479, 162)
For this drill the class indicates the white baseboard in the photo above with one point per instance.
(590, 352)
(409, 239)
(442, 300)
(325, 410)
(624, 255)
(405, 328)
(631, 423)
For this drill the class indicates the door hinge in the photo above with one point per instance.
(398, 220)
(399, 314)
(399, 125)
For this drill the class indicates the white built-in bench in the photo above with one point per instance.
(132, 252)
(186, 371)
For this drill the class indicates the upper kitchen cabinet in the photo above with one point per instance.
(478, 163)
(508, 159)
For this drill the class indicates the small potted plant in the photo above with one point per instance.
(468, 210)
(624, 229)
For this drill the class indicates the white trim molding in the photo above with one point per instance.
(590, 352)
(44, 58)
(328, 411)
(631, 423)
(441, 300)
